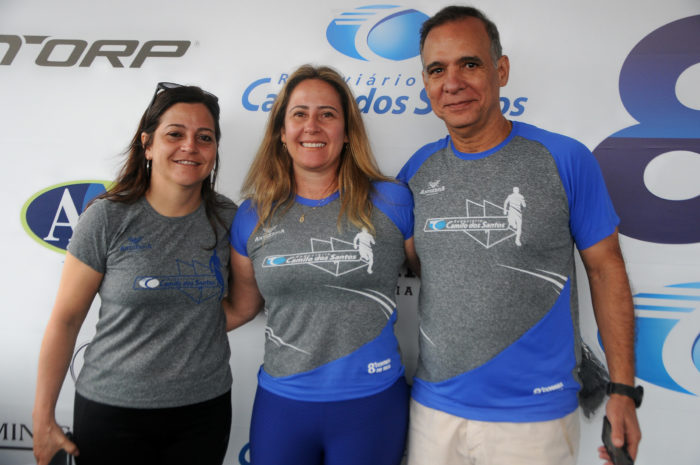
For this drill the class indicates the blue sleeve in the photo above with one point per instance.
(592, 216)
(396, 202)
(418, 158)
(243, 226)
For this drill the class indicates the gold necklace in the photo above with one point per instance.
(303, 213)
(318, 204)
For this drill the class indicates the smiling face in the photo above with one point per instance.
(461, 79)
(314, 128)
(183, 147)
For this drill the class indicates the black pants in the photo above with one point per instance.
(193, 434)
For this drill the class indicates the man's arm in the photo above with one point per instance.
(614, 314)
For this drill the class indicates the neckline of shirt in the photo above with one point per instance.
(486, 153)
(317, 202)
(153, 212)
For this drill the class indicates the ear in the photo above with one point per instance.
(144, 141)
(503, 68)
(283, 135)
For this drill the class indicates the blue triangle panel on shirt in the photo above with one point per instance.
(511, 387)
(371, 369)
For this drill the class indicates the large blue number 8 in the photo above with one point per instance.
(648, 91)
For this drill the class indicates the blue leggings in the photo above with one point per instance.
(368, 430)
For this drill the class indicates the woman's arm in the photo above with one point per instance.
(244, 300)
(412, 261)
(76, 291)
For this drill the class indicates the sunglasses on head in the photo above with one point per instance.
(172, 85)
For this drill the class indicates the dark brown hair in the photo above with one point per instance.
(134, 178)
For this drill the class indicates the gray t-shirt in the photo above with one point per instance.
(329, 295)
(160, 339)
(495, 233)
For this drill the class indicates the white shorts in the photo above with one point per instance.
(438, 438)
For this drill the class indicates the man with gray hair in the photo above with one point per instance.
(499, 339)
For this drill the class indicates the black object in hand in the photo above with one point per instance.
(618, 455)
(62, 457)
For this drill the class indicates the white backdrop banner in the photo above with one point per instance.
(622, 77)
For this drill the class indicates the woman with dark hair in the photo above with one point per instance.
(319, 243)
(155, 384)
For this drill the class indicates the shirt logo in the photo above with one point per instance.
(134, 244)
(434, 187)
(333, 256)
(199, 282)
(545, 389)
(268, 233)
(487, 223)
(379, 367)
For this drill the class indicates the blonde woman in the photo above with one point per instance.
(319, 244)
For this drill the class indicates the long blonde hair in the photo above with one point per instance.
(270, 180)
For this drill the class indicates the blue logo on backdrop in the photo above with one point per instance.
(666, 125)
(374, 32)
(387, 31)
(50, 215)
(668, 337)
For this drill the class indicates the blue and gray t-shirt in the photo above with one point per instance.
(495, 233)
(329, 294)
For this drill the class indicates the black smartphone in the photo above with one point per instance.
(62, 457)
(618, 455)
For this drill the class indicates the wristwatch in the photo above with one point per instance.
(635, 393)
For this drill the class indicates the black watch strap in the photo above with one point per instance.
(635, 393)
